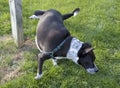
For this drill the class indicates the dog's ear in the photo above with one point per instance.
(37, 14)
(87, 50)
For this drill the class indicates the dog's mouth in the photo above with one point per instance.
(92, 70)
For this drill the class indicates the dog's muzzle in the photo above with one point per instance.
(92, 70)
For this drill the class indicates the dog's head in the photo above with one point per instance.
(87, 58)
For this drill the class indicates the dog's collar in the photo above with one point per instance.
(57, 48)
(75, 46)
(51, 53)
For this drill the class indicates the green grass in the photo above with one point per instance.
(98, 23)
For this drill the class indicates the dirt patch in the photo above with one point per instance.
(11, 74)
(5, 38)
(13, 71)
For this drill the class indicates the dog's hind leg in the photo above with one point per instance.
(74, 13)
(37, 14)
(41, 59)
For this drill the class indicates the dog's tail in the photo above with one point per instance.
(76, 11)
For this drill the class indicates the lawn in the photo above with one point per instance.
(98, 23)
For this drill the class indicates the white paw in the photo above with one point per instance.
(76, 13)
(34, 17)
(38, 76)
(54, 62)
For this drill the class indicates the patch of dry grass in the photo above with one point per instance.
(11, 58)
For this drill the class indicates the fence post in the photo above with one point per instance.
(16, 21)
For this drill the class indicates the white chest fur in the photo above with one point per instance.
(75, 46)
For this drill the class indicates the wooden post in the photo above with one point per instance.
(16, 21)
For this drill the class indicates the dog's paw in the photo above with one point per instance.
(34, 17)
(38, 76)
(76, 11)
(54, 62)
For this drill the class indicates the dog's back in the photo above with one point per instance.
(51, 30)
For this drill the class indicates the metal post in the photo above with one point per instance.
(16, 21)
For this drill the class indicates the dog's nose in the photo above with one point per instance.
(96, 70)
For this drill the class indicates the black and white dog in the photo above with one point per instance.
(54, 40)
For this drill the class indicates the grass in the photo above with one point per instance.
(97, 23)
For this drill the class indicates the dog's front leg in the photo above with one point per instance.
(54, 62)
(41, 59)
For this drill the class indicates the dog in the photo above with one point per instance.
(54, 40)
